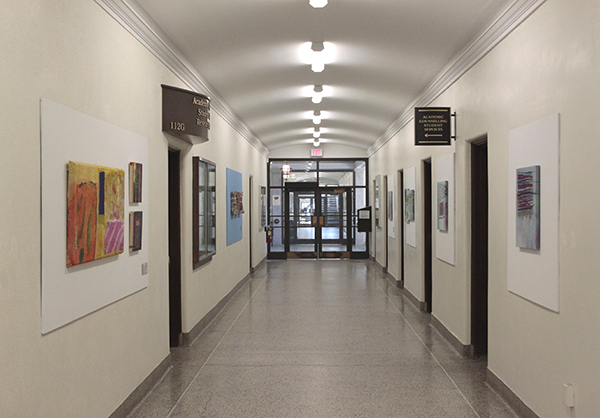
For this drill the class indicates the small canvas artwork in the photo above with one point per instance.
(135, 183)
(442, 206)
(237, 204)
(390, 205)
(95, 212)
(263, 207)
(528, 207)
(135, 231)
(409, 203)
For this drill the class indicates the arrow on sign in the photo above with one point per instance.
(428, 135)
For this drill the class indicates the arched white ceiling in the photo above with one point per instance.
(387, 57)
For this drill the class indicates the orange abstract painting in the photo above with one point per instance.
(95, 212)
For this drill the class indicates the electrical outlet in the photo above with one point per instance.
(144, 269)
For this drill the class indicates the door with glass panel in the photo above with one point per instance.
(333, 223)
(313, 208)
(300, 220)
(317, 222)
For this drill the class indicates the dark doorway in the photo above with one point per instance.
(400, 229)
(174, 249)
(479, 247)
(427, 228)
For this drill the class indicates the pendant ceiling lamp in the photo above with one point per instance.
(317, 117)
(318, 4)
(318, 57)
(317, 94)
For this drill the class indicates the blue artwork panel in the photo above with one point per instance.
(528, 207)
(234, 216)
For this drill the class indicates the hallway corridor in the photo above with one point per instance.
(325, 339)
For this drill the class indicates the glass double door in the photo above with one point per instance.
(317, 221)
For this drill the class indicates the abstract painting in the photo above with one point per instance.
(528, 207)
(135, 183)
(409, 202)
(237, 204)
(442, 206)
(135, 231)
(95, 212)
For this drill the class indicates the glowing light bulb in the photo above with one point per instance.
(317, 117)
(318, 4)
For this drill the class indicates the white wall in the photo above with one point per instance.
(204, 287)
(550, 64)
(75, 54)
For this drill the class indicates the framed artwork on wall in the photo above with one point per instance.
(442, 206)
(528, 207)
(135, 230)
(135, 183)
(409, 202)
(95, 212)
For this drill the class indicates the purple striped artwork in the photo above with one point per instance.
(528, 207)
(114, 237)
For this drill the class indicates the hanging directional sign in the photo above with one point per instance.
(186, 114)
(432, 126)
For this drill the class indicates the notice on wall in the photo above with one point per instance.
(432, 126)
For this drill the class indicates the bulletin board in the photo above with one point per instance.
(69, 293)
(234, 217)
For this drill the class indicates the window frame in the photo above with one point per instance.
(202, 256)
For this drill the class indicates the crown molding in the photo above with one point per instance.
(462, 62)
(138, 23)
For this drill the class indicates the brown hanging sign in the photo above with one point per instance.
(432, 126)
(186, 114)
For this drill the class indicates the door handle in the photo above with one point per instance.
(314, 221)
(321, 221)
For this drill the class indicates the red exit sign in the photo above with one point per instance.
(316, 152)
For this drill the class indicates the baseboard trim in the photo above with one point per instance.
(259, 265)
(187, 338)
(413, 299)
(465, 350)
(510, 397)
(139, 393)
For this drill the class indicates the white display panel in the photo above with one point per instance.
(410, 231)
(534, 274)
(444, 240)
(71, 293)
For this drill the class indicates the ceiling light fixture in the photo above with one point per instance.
(316, 142)
(318, 57)
(317, 96)
(318, 4)
(316, 133)
(317, 117)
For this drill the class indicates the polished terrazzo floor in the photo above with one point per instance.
(331, 338)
